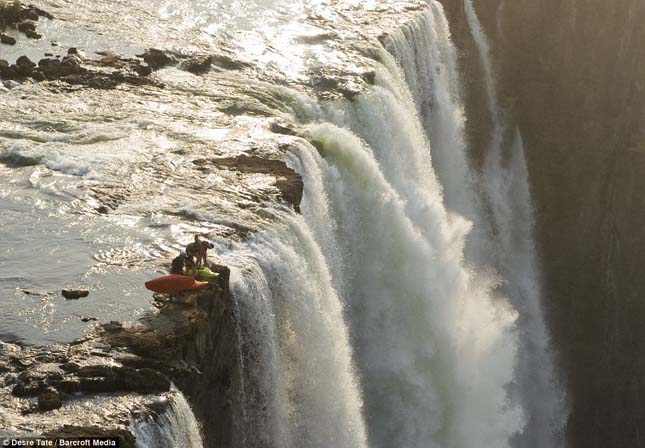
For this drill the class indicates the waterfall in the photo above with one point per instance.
(505, 188)
(176, 427)
(433, 349)
(424, 51)
(300, 385)
(402, 308)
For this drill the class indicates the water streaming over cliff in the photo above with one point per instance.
(391, 202)
(300, 386)
(175, 427)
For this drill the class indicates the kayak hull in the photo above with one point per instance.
(174, 283)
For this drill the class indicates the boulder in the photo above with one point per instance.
(46, 62)
(142, 70)
(71, 64)
(33, 35)
(28, 14)
(7, 39)
(38, 76)
(198, 64)
(279, 128)
(157, 59)
(75, 294)
(26, 26)
(49, 399)
(24, 61)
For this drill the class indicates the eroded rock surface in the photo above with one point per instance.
(190, 341)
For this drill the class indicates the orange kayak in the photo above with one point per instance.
(174, 283)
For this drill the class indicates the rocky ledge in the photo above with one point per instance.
(124, 372)
(22, 18)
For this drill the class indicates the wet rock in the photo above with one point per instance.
(33, 35)
(10, 379)
(49, 399)
(7, 39)
(102, 378)
(316, 39)
(197, 65)
(97, 385)
(47, 62)
(100, 371)
(74, 294)
(38, 76)
(227, 62)
(68, 386)
(24, 61)
(26, 26)
(70, 367)
(279, 128)
(145, 380)
(113, 325)
(71, 64)
(72, 50)
(103, 210)
(89, 319)
(142, 70)
(287, 181)
(157, 59)
(29, 388)
(3, 64)
(28, 14)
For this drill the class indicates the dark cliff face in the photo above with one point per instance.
(572, 74)
(193, 340)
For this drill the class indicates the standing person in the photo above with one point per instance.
(192, 250)
(203, 248)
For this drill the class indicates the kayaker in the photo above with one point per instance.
(192, 250)
(203, 248)
(178, 264)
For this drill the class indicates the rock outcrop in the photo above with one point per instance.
(22, 18)
(190, 341)
(287, 181)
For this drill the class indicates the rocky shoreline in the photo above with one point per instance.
(190, 342)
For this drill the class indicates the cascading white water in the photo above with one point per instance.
(433, 350)
(176, 427)
(388, 206)
(300, 386)
(506, 190)
(423, 49)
